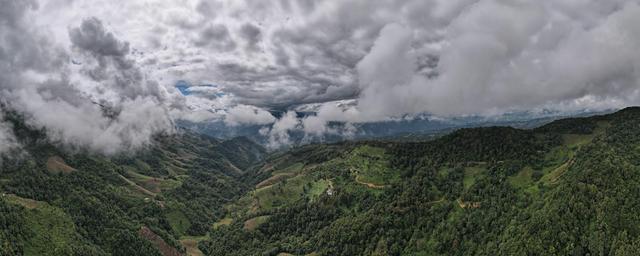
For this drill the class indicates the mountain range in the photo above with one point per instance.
(569, 187)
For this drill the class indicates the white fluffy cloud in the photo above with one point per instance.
(243, 57)
(7, 139)
(504, 56)
(248, 115)
(278, 54)
(279, 132)
(103, 101)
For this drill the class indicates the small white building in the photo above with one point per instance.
(330, 191)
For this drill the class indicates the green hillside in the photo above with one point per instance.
(567, 188)
(570, 187)
(57, 201)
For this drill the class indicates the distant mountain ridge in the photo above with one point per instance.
(409, 128)
(566, 187)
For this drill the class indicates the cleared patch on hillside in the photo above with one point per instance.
(137, 188)
(152, 184)
(274, 179)
(292, 168)
(576, 140)
(164, 248)
(56, 164)
(522, 179)
(24, 202)
(191, 245)
(318, 188)
(370, 165)
(471, 174)
(281, 194)
(288, 191)
(222, 222)
(253, 223)
(554, 175)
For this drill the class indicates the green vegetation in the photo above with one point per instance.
(371, 166)
(178, 221)
(471, 174)
(523, 178)
(54, 232)
(222, 222)
(54, 202)
(567, 188)
(284, 193)
(291, 169)
(253, 223)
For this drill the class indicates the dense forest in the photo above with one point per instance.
(570, 187)
(57, 201)
(567, 188)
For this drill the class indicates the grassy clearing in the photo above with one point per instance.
(253, 223)
(317, 188)
(554, 175)
(293, 168)
(142, 166)
(522, 179)
(169, 184)
(556, 157)
(280, 194)
(192, 247)
(241, 207)
(190, 243)
(137, 189)
(559, 159)
(153, 184)
(56, 164)
(24, 202)
(576, 140)
(471, 174)
(274, 179)
(532, 190)
(223, 222)
(178, 221)
(371, 166)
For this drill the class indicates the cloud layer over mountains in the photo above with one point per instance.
(106, 81)
(101, 100)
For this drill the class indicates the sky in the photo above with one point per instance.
(107, 75)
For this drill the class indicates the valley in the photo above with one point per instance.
(492, 190)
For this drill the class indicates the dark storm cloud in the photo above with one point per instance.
(388, 58)
(113, 68)
(216, 36)
(92, 37)
(207, 8)
(251, 34)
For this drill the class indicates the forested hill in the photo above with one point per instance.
(570, 187)
(58, 201)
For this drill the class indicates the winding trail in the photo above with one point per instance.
(136, 186)
(561, 170)
(370, 185)
(436, 201)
